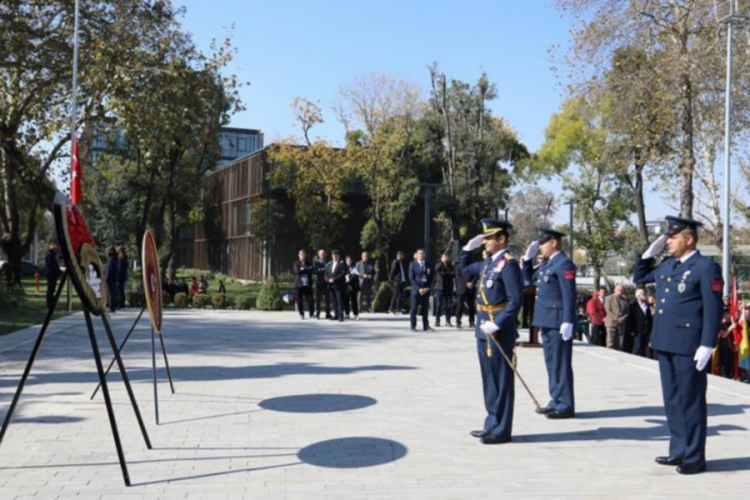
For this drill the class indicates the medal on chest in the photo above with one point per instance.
(682, 286)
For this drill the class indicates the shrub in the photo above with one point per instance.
(201, 301)
(230, 303)
(269, 298)
(383, 298)
(219, 301)
(11, 296)
(137, 299)
(245, 302)
(166, 299)
(181, 300)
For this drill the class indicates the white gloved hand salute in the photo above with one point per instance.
(474, 243)
(566, 331)
(702, 356)
(656, 247)
(489, 327)
(532, 250)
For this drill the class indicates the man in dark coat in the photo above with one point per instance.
(336, 278)
(398, 281)
(688, 316)
(465, 295)
(52, 272)
(443, 288)
(322, 291)
(639, 325)
(366, 271)
(420, 277)
(303, 271)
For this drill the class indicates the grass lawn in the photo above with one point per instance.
(34, 309)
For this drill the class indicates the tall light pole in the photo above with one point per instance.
(428, 187)
(734, 15)
(73, 113)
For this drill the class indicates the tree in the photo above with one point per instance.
(575, 137)
(35, 75)
(531, 207)
(385, 155)
(685, 37)
(476, 144)
(315, 176)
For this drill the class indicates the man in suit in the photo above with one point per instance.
(443, 287)
(689, 311)
(616, 307)
(353, 284)
(336, 278)
(420, 277)
(555, 316)
(639, 325)
(366, 270)
(397, 277)
(500, 297)
(321, 285)
(465, 295)
(303, 271)
(52, 272)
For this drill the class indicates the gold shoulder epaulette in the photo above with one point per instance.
(509, 256)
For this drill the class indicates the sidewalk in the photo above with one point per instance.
(268, 406)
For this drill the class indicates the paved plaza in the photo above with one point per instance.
(267, 406)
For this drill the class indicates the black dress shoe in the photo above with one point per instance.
(413, 329)
(495, 439)
(559, 415)
(668, 461)
(689, 470)
(544, 410)
(479, 434)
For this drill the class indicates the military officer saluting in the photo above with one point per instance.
(555, 316)
(688, 317)
(499, 298)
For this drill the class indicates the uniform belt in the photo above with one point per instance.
(491, 309)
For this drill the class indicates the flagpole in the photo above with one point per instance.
(73, 117)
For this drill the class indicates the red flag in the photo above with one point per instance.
(734, 300)
(75, 174)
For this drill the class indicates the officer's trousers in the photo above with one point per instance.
(684, 391)
(498, 384)
(558, 358)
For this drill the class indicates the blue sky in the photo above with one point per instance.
(294, 48)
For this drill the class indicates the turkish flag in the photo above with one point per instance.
(75, 174)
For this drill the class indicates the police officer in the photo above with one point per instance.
(555, 316)
(688, 317)
(499, 298)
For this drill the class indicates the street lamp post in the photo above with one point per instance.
(428, 187)
(736, 13)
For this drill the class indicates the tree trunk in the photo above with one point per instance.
(640, 207)
(687, 164)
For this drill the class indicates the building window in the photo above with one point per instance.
(248, 218)
(242, 144)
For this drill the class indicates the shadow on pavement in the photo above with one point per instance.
(352, 452)
(317, 403)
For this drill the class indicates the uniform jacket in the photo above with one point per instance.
(420, 276)
(555, 282)
(499, 282)
(304, 273)
(689, 308)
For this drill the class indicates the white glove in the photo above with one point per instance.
(566, 331)
(531, 251)
(702, 356)
(489, 327)
(474, 243)
(656, 247)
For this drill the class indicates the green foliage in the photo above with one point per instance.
(269, 298)
(383, 298)
(181, 300)
(219, 301)
(245, 302)
(201, 301)
(11, 296)
(166, 299)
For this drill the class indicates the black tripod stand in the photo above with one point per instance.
(153, 359)
(102, 378)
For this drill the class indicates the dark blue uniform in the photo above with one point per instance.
(555, 282)
(499, 284)
(420, 276)
(688, 314)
